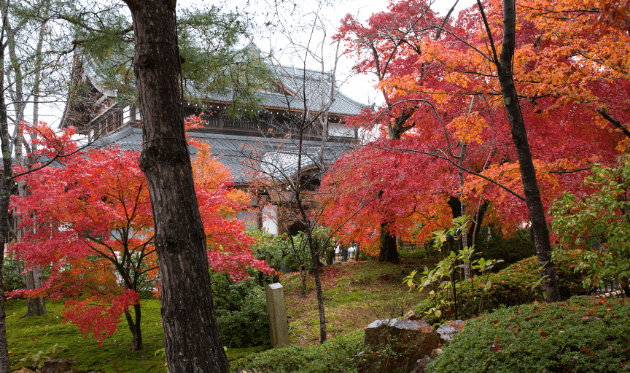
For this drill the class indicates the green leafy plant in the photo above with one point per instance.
(442, 278)
(514, 285)
(12, 273)
(599, 223)
(241, 310)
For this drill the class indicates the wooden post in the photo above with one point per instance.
(278, 325)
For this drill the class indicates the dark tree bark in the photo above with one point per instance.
(314, 249)
(388, 247)
(473, 232)
(519, 137)
(6, 182)
(456, 206)
(475, 225)
(191, 337)
(134, 327)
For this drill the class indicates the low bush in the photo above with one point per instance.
(241, 309)
(247, 326)
(514, 285)
(578, 336)
(12, 273)
(344, 354)
(335, 355)
(510, 249)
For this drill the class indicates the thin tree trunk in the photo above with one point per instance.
(134, 327)
(464, 233)
(528, 172)
(191, 337)
(314, 249)
(473, 232)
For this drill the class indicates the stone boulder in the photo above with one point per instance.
(410, 340)
(24, 370)
(57, 366)
(449, 329)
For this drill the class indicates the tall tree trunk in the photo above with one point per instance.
(191, 337)
(6, 182)
(519, 136)
(388, 247)
(35, 306)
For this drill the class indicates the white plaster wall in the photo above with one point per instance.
(336, 129)
(270, 218)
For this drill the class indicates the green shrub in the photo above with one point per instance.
(598, 222)
(241, 309)
(12, 273)
(514, 285)
(510, 249)
(335, 355)
(247, 326)
(271, 248)
(289, 254)
(580, 335)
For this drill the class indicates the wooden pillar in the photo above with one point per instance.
(278, 325)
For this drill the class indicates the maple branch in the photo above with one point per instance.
(347, 220)
(489, 32)
(413, 151)
(51, 161)
(464, 42)
(147, 270)
(448, 15)
(569, 171)
(615, 122)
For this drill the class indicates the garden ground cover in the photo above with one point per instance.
(355, 294)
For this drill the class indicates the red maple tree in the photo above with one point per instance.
(90, 219)
(444, 100)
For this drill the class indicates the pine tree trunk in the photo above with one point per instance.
(528, 172)
(191, 337)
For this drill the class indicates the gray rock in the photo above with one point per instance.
(411, 340)
(449, 329)
(411, 316)
(57, 366)
(421, 365)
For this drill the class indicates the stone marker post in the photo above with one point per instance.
(278, 325)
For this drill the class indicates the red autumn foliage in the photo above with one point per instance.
(443, 95)
(90, 219)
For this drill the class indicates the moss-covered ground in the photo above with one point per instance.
(355, 293)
